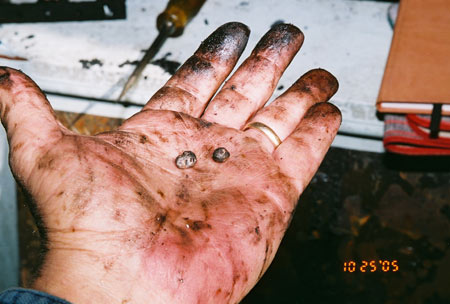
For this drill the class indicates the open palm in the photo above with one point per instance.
(124, 224)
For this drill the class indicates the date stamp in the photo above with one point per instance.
(371, 266)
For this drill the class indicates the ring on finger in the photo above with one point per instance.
(266, 130)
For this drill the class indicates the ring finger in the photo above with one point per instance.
(284, 114)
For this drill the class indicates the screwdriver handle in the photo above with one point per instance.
(176, 15)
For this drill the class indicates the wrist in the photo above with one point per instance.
(64, 275)
(86, 277)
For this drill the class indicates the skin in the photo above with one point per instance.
(123, 224)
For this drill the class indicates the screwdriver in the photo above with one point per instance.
(170, 23)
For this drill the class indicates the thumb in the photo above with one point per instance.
(29, 120)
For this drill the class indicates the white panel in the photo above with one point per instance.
(9, 240)
(351, 39)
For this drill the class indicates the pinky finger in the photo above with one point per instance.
(300, 155)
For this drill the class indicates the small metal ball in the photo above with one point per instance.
(186, 160)
(220, 155)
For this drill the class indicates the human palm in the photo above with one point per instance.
(124, 224)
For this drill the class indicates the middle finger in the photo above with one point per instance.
(255, 80)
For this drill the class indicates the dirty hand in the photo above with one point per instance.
(124, 224)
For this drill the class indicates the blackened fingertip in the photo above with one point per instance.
(287, 27)
(320, 79)
(225, 44)
(238, 27)
(279, 36)
(227, 41)
(327, 79)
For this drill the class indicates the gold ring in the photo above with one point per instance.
(273, 137)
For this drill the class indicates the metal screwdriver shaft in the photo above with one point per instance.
(149, 54)
(171, 23)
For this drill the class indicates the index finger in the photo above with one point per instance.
(196, 81)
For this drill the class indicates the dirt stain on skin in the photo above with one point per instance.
(160, 136)
(118, 215)
(5, 80)
(45, 162)
(160, 219)
(303, 87)
(280, 36)
(4, 111)
(197, 225)
(178, 116)
(143, 139)
(108, 265)
(255, 235)
(5, 83)
(321, 80)
(183, 193)
(185, 238)
(200, 123)
(197, 65)
(161, 193)
(226, 43)
(17, 147)
(203, 123)
(266, 255)
(322, 110)
(205, 208)
(144, 197)
(239, 271)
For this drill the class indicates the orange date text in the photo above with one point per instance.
(371, 266)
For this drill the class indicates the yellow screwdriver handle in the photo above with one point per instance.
(177, 14)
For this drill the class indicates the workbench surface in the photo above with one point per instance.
(92, 59)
